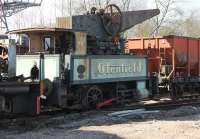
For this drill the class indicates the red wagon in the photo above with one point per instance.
(175, 59)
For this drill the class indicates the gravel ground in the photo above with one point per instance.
(181, 123)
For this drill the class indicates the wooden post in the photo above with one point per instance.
(142, 44)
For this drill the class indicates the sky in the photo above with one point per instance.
(186, 5)
(189, 5)
(48, 13)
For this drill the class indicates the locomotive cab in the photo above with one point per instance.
(51, 40)
(49, 50)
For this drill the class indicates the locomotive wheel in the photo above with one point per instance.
(120, 93)
(92, 97)
(173, 93)
(191, 88)
(181, 91)
(177, 92)
(8, 105)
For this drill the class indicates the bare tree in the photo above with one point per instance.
(126, 5)
(190, 27)
(86, 5)
(166, 8)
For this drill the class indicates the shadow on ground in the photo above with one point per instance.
(61, 134)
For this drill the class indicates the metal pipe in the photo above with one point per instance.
(14, 89)
(41, 66)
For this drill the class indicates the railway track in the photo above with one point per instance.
(29, 121)
(172, 104)
(160, 105)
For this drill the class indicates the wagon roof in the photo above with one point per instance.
(163, 37)
(42, 29)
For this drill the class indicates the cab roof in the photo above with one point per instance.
(41, 29)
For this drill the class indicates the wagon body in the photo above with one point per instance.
(170, 56)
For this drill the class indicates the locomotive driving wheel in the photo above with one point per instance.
(112, 20)
(92, 97)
